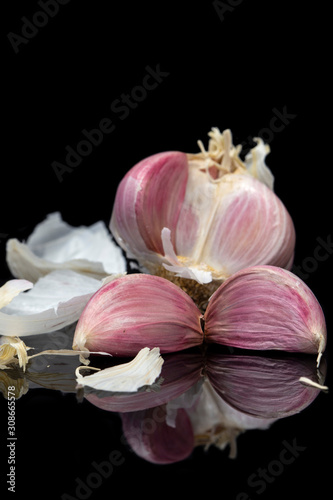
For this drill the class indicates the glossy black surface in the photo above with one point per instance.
(237, 68)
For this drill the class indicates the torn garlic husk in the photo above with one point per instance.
(202, 217)
(53, 302)
(142, 371)
(13, 351)
(55, 245)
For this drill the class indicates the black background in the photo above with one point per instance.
(229, 71)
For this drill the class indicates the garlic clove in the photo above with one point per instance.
(266, 307)
(149, 198)
(265, 387)
(152, 439)
(179, 373)
(235, 223)
(136, 311)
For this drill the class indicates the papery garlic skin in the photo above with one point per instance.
(13, 350)
(55, 245)
(266, 307)
(54, 301)
(137, 311)
(202, 216)
(142, 371)
(180, 372)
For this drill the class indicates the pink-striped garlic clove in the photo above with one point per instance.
(202, 216)
(136, 311)
(264, 308)
(148, 198)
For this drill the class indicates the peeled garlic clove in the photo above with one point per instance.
(151, 438)
(266, 307)
(265, 387)
(137, 311)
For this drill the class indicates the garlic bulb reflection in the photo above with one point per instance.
(202, 217)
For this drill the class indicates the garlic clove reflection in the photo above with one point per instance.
(151, 438)
(265, 387)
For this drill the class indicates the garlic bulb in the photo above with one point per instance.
(202, 217)
(266, 307)
(137, 311)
